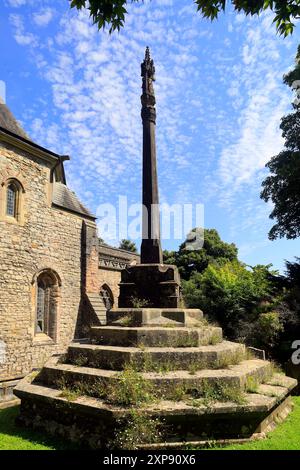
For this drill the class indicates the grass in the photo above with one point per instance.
(13, 437)
(285, 437)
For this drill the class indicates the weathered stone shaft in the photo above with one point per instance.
(151, 251)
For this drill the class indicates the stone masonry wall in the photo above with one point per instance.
(48, 239)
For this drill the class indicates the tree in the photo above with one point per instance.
(282, 187)
(214, 251)
(293, 271)
(112, 12)
(239, 298)
(128, 246)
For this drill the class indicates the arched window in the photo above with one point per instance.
(107, 297)
(47, 304)
(12, 200)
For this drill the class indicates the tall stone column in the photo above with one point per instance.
(151, 252)
(152, 283)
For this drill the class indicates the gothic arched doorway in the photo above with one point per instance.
(107, 297)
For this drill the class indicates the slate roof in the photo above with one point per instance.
(9, 122)
(67, 199)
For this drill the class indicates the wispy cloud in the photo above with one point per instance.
(22, 37)
(219, 102)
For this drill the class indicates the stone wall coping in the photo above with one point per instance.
(118, 253)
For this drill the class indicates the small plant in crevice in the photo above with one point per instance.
(139, 430)
(214, 339)
(139, 303)
(141, 346)
(186, 341)
(276, 369)
(147, 364)
(130, 389)
(69, 394)
(251, 385)
(229, 360)
(195, 366)
(177, 393)
(79, 360)
(66, 391)
(209, 393)
(126, 320)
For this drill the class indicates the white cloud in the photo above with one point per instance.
(21, 36)
(257, 137)
(43, 17)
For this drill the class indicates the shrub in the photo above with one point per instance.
(228, 293)
(131, 389)
(269, 327)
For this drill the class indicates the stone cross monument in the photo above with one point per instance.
(151, 283)
(151, 247)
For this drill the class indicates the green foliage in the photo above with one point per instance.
(285, 11)
(69, 395)
(131, 389)
(210, 393)
(128, 245)
(251, 385)
(104, 12)
(112, 12)
(293, 271)
(269, 328)
(139, 303)
(282, 187)
(242, 300)
(214, 251)
(228, 293)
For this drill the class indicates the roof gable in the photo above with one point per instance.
(65, 198)
(9, 122)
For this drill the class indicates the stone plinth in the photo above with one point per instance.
(157, 284)
(155, 317)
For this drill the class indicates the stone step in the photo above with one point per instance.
(98, 306)
(93, 381)
(156, 336)
(162, 359)
(94, 423)
(155, 317)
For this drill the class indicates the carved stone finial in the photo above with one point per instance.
(148, 96)
(148, 69)
(147, 53)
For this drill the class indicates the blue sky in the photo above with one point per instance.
(219, 94)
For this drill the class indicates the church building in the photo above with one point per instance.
(56, 278)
